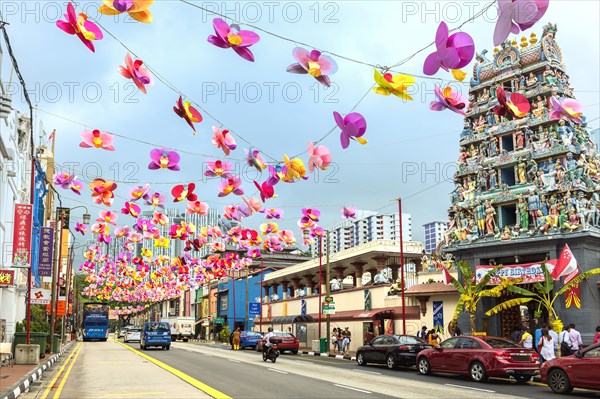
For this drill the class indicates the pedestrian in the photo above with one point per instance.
(347, 336)
(597, 336)
(423, 333)
(369, 336)
(334, 339)
(517, 333)
(231, 340)
(236, 339)
(340, 340)
(538, 334)
(526, 339)
(545, 347)
(565, 342)
(575, 337)
(433, 338)
(457, 331)
(554, 336)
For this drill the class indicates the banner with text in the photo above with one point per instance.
(530, 272)
(7, 278)
(22, 236)
(46, 251)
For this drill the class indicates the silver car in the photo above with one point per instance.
(132, 334)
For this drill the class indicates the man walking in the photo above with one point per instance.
(575, 336)
(565, 342)
(423, 333)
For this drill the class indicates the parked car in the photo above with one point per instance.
(156, 334)
(132, 334)
(249, 339)
(391, 350)
(288, 342)
(480, 358)
(580, 370)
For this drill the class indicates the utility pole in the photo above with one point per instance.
(54, 294)
(247, 278)
(327, 285)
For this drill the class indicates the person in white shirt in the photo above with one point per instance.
(547, 351)
(575, 336)
(266, 340)
(565, 342)
(554, 336)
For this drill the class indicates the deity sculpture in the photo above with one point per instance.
(573, 222)
(493, 179)
(485, 96)
(521, 172)
(549, 77)
(490, 218)
(491, 117)
(523, 210)
(532, 80)
(335, 285)
(573, 169)
(380, 278)
(532, 169)
(544, 207)
(565, 132)
(519, 139)
(480, 214)
(534, 204)
(540, 107)
(493, 146)
(549, 177)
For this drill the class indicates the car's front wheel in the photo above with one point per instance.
(477, 372)
(360, 359)
(559, 382)
(294, 351)
(424, 366)
(390, 362)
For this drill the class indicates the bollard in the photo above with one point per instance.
(27, 354)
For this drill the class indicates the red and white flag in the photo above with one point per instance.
(51, 135)
(446, 277)
(565, 265)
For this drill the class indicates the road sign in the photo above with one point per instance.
(254, 308)
(328, 298)
(219, 320)
(329, 307)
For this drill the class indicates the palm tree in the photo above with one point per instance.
(542, 294)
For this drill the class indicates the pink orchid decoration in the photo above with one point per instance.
(231, 36)
(313, 63)
(76, 186)
(131, 209)
(137, 72)
(97, 139)
(287, 237)
(218, 169)
(63, 180)
(266, 190)
(253, 204)
(348, 212)
(253, 158)
(309, 214)
(164, 159)
(79, 25)
(231, 185)
(569, 108)
(353, 127)
(197, 208)
(319, 157)
(517, 15)
(108, 217)
(138, 192)
(452, 52)
(273, 213)
(81, 228)
(155, 199)
(448, 99)
(188, 113)
(223, 140)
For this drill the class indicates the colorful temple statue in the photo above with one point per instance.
(521, 176)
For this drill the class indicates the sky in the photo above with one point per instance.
(411, 151)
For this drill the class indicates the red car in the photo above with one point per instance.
(581, 370)
(288, 342)
(480, 358)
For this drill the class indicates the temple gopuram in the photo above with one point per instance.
(526, 186)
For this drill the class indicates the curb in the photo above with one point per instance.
(344, 357)
(24, 383)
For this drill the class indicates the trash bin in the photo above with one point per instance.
(35, 338)
(56, 346)
(316, 345)
(323, 345)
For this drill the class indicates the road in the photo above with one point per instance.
(113, 369)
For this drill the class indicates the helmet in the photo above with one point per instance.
(270, 329)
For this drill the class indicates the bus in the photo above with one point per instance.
(95, 321)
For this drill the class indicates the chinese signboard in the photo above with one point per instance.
(46, 251)
(22, 236)
(40, 296)
(529, 272)
(7, 277)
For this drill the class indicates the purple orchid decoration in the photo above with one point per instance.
(313, 63)
(353, 127)
(517, 15)
(231, 36)
(164, 159)
(452, 52)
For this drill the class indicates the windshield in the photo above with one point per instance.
(158, 327)
(405, 339)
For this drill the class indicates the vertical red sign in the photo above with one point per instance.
(22, 235)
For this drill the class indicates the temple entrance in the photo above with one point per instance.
(522, 315)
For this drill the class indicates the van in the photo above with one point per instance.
(156, 334)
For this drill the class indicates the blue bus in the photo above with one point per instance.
(95, 321)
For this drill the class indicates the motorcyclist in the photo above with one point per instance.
(266, 340)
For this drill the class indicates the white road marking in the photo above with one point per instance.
(278, 371)
(354, 389)
(233, 360)
(474, 389)
(303, 361)
(365, 371)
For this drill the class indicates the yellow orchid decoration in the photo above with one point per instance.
(295, 169)
(393, 84)
(458, 74)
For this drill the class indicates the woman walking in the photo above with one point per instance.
(546, 347)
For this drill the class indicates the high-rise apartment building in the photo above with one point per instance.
(434, 234)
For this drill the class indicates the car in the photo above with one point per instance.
(249, 339)
(288, 342)
(580, 370)
(156, 334)
(480, 357)
(391, 350)
(132, 334)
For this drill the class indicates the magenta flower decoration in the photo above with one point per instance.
(76, 186)
(273, 213)
(348, 212)
(108, 217)
(231, 36)
(253, 158)
(97, 139)
(131, 209)
(137, 72)
(517, 15)
(79, 25)
(63, 180)
(231, 185)
(197, 208)
(452, 52)
(309, 214)
(164, 159)
(218, 169)
(254, 253)
(156, 200)
(569, 108)
(82, 228)
(448, 99)
(353, 126)
(313, 63)
(139, 192)
(319, 157)
(224, 140)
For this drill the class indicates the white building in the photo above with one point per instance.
(434, 234)
(366, 227)
(15, 169)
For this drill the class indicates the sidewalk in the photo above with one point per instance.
(17, 379)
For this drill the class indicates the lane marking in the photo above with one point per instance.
(278, 371)
(352, 388)
(66, 376)
(135, 394)
(302, 361)
(233, 360)
(474, 389)
(366, 371)
(185, 377)
(59, 372)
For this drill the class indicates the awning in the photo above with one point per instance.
(202, 321)
(429, 289)
(292, 319)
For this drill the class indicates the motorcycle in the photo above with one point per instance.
(271, 354)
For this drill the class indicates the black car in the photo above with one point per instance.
(391, 350)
